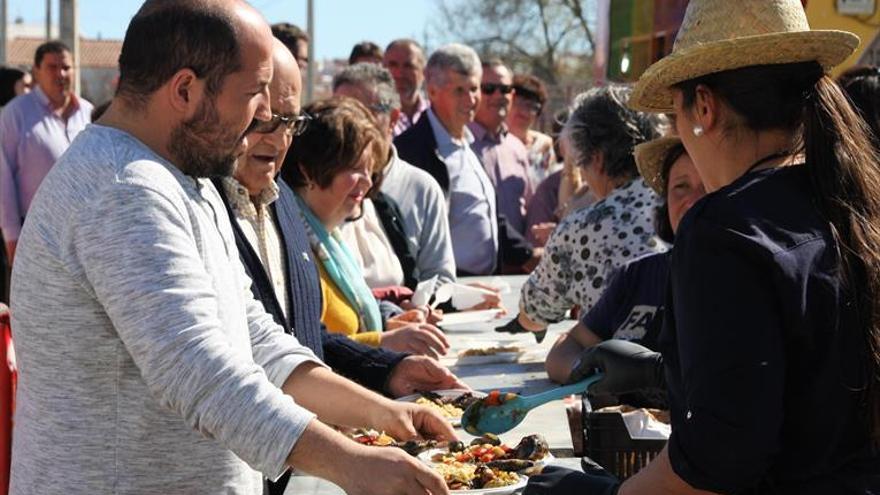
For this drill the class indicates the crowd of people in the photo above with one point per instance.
(208, 271)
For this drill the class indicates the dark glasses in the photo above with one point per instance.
(489, 88)
(294, 126)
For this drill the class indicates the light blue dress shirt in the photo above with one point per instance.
(32, 137)
(472, 216)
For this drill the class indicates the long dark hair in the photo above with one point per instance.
(843, 172)
(862, 86)
(8, 77)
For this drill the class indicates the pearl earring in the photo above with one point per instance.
(698, 130)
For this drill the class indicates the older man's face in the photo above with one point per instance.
(266, 150)
(370, 99)
(497, 89)
(455, 102)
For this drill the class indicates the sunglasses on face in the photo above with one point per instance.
(490, 88)
(293, 126)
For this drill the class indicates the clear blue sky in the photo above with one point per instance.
(339, 24)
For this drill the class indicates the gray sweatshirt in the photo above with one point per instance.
(425, 217)
(145, 364)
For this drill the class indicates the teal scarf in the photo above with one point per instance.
(342, 268)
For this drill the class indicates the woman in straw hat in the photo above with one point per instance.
(771, 341)
(631, 307)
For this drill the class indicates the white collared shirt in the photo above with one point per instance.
(258, 226)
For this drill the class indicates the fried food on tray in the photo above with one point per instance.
(489, 351)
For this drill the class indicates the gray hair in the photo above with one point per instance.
(601, 122)
(456, 57)
(373, 77)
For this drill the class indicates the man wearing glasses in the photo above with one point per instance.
(504, 157)
(272, 243)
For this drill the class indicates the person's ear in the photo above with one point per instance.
(706, 108)
(185, 92)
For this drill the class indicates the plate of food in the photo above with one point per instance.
(463, 478)
(450, 403)
(486, 465)
(489, 355)
(367, 436)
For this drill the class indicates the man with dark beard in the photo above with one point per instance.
(146, 366)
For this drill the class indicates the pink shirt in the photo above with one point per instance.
(405, 122)
(506, 161)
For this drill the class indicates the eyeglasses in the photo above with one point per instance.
(489, 88)
(294, 126)
(381, 107)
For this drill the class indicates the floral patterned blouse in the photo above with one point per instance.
(586, 247)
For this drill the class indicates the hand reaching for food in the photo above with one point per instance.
(416, 338)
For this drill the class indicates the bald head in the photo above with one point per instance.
(268, 143)
(206, 36)
(286, 86)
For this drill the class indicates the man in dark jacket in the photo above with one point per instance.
(271, 239)
(272, 242)
(439, 143)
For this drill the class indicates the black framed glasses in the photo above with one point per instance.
(489, 88)
(294, 126)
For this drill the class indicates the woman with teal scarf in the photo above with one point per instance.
(330, 169)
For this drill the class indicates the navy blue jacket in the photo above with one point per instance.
(366, 365)
(765, 363)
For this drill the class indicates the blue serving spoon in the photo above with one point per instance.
(480, 418)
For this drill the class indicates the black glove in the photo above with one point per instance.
(563, 481)
(628, 367)
(513, 326)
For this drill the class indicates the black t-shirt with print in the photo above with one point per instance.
(763, 356)
(631, 307)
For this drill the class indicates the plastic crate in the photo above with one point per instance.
(607, 441)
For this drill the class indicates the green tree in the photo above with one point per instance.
(552, 39)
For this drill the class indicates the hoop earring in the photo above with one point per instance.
(698, 130)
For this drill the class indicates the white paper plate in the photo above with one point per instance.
(501, 357)
(455, 392)
(501, 490)
(468, 317)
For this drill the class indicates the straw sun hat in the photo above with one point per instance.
(650, 157)
(720, 35)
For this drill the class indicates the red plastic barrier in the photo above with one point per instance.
(8, 377)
